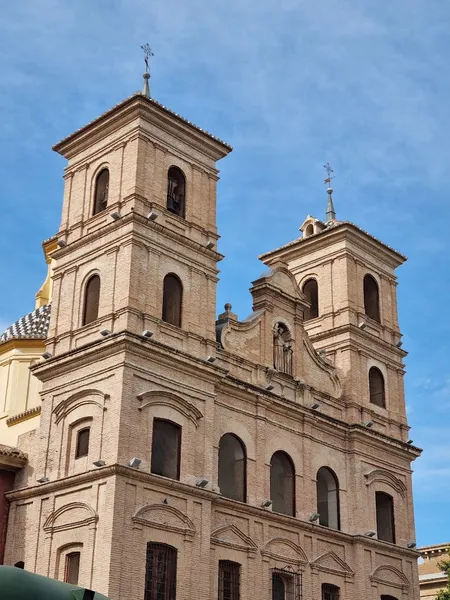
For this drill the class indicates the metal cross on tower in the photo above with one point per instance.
(147, 53)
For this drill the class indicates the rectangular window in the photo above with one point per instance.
(286, 584)
(330, 592)
(82, 442)
(385, 517)
(161, 572)
(166, 444)
(72, 568)
(229, 580)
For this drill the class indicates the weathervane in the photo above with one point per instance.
(147, 53)
(329, 171)
(330, 213)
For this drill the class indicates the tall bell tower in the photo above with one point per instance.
(349, 278)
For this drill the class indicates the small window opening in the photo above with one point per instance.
(311, 291)
(376, 387)
(91, 300)
(328, 498)
(20, 564)
(232, 468)
(172, 300)
(176, 191)
(101, 191)
(282, 484)
(166, 444)
(330, 592)
(229, 580)
(82, 442)
(72, 568)
(309, 230)
(161, 572)
(371, 298)
(385, 517)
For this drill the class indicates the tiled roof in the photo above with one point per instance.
(430, 563)
(33, 326)
(155, 103)
(330, 225)
(10, 451)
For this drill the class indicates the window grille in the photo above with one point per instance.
(286, 584)
(229, 580)
(161, 572)
(330, 592)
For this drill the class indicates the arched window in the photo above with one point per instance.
(282, 349)
(385, 517)
(371, 298)
(166, 449)
(330, 592)
(282, 484)
(229, 580)
(328, 498)
(160, 572)
(82, 448)
(101, 191)
(311, 291)
(232, 467)
(176, 191)
(172, 300)
(309, 230)
(376, 387)
(91, 300)
(72, 568)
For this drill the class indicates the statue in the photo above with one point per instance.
(282, 349)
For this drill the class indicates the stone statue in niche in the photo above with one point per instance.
(282, 349)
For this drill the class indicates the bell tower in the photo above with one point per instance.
(348, 277)
(139, 213)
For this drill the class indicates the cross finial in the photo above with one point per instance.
(147, 53)
(330, 214)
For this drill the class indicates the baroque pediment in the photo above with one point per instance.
(383, 476)
(232, 537)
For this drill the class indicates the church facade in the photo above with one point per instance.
(180, 455)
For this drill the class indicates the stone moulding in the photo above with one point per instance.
(165, 517)
(163, 398)
(331, 563)
(232, 537)
(386, 574)
(380, 475)
(79, 399)
(51, 525)
(284, 550)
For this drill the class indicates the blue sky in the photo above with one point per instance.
(290, 84)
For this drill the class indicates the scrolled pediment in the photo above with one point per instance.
(90, 396)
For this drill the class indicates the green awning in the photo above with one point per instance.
(18, 584)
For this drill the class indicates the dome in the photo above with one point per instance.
(34, 326)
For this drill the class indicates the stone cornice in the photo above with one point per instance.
(135, 107)
(24, 416)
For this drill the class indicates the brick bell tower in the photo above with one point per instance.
(132, 327)
(349, 278)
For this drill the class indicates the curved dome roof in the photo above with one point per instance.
(33, 326)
